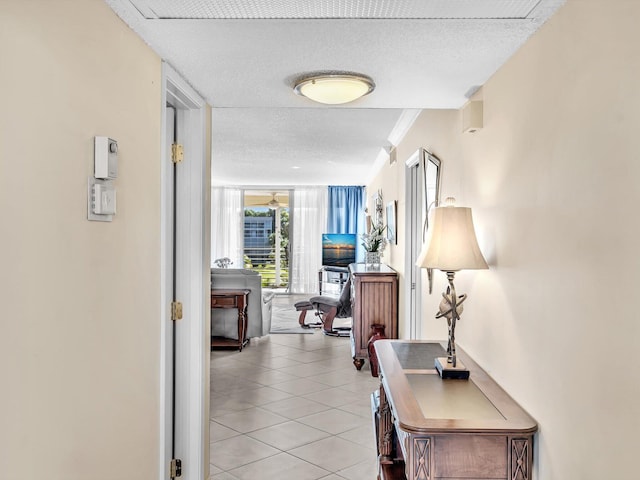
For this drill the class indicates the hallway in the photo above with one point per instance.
(291, 406)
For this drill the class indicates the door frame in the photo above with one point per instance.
(192, 369)
(413, 202)
(419, 204)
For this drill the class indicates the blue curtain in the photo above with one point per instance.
(346, 213)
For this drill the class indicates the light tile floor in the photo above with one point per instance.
(291, 407)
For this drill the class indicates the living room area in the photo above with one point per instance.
(285, 236)
(292, 394)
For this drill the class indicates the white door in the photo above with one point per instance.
(184, 270)
(414, 222)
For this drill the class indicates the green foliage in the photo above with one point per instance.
(284, 234)
(268, 273)
(375, 240)
(253, 213)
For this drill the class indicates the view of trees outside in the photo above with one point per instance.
(259, 244)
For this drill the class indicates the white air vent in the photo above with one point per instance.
(317, 9)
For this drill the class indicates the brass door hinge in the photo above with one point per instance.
(176, 311)
(177, 153)
(176, 468)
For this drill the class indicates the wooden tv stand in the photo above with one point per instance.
(431, 429)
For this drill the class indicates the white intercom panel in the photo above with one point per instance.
(101, 193)
(105, 154)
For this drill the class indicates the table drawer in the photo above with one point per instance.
(224, 301)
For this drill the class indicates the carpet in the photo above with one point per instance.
(284, 319)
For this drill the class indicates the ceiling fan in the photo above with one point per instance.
(274, 203)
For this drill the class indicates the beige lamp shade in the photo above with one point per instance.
(451, 244)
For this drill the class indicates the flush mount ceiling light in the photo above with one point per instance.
(334, 88)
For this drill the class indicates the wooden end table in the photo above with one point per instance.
(231, 298)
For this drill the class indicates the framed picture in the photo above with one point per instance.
(391, 223)
(377, 203)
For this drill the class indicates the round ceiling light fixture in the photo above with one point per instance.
(334, 88)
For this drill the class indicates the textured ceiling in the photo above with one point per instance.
(355, 9)
(319, 147)
(243, 57)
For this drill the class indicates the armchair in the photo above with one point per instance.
(327, 309)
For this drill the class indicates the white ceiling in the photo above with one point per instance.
(243, 56)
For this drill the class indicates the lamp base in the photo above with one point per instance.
(446, 370)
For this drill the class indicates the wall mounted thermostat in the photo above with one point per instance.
(105, 154)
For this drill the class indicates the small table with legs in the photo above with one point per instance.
(332, 275)
(231, 298)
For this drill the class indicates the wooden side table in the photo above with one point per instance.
(231, 298)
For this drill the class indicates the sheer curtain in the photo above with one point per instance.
(227, 225)
(346, 213)
(309, 223)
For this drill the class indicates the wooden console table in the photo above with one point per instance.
(231, 298)
(431, 429)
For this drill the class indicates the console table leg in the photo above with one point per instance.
(385, 431)
(358, 362)
(242, 325)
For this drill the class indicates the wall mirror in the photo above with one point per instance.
(431, 196)
(431, 186)
(391, 223)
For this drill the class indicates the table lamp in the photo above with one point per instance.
(451, 246)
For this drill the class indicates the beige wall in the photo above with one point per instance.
(79, 344)
(553, 178)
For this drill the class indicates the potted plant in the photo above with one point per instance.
(374, 243)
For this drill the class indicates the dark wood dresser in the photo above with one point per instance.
(374, 300)
(432, 429)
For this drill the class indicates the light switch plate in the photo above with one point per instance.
(101, 197)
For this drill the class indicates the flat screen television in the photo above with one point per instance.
(338, 249)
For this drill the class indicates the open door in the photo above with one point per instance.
(414, 222)
(184, 356)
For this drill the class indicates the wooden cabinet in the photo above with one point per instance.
(374, 300)
(431, 429)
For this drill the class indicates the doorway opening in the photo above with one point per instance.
(267, 223)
